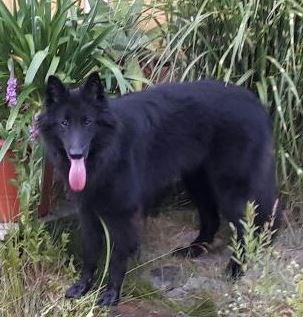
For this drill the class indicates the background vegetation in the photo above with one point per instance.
(257, 44)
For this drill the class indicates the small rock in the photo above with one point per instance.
(166, 278)
(181, 314)
(195, 285)
(203, 283)
(177, 293)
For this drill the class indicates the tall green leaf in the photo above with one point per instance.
(35, 65)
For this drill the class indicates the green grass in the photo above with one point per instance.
(36, 270)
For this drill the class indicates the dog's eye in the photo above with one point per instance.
(64, 123)
(87, 121)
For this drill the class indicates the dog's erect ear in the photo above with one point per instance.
(55, 91)
(93, 87)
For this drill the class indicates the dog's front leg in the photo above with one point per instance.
(92, 249)
(125, 234)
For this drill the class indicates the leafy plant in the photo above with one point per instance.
(69, 42)
(256, 245)
(271, 284)
(37, 43)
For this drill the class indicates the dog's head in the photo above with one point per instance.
(72, 121)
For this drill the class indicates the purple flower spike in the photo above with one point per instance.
(34, 129)
(11, 92)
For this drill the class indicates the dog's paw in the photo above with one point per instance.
(192, 251)
(109, 297)
(78, 289)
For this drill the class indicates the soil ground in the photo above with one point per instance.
(193, 287)
(160, 285)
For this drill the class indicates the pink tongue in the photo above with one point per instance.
(77, 175)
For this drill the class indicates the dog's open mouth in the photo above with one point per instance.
(77, 174)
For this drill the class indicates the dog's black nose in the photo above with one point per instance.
(75, 154)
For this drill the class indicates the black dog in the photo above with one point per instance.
(118, 155)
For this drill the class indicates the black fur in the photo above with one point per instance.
(215, 137)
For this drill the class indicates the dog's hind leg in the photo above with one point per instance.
(199, 187)
(233, 209)
(234, 189)
(125, 234)
(92, 247)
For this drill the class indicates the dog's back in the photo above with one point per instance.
(178, 128)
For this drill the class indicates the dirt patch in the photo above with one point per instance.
(196, 287)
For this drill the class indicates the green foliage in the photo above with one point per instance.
(297, 300)
(30, 255)
(271, 287)
(27, 267)
(258, 44)
(36, 43)
(256, 245)
(69, 42)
